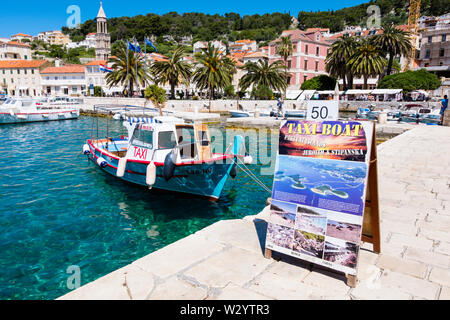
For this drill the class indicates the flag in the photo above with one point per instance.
(149, 43)
(131, 46)
(104, 68)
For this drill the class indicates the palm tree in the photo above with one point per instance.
(393, 42)
(126, 74)
(214, 70)
(285, 50)
(262, 73)
(173, 71)
(367, 61)
(336, 61)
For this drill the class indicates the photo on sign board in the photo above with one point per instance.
(341, 252)
(324, 140)
(328, 184)
(311, 220)
(309, 243)
(344, 226)
(283, 213)
(280, 236)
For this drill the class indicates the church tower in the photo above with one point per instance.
(103, 38)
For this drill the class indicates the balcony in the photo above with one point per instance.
(63, 82)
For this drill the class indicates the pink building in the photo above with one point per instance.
(308, 59)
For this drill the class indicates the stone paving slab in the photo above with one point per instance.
(226, 261)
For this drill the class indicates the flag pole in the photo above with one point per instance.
(145, 60)
(136, 59)
(128, 79)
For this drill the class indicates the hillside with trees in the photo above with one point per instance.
(392, 11)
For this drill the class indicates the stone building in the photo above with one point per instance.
(21, 77)
(103, 38)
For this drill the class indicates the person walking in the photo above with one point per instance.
(444, 106)
(280, 106)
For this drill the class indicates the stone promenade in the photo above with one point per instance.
(225, 260)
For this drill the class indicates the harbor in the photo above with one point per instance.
(203, 156)
(226, 261)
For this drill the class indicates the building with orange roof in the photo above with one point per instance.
(15, 50)
(21, 36)
(243, 46)
(310, 50)
(65, 80)
(21, 77)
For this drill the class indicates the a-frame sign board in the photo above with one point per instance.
(371, 216)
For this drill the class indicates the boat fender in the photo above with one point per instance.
(248, 159)
(121, 167)
(11, 112)
(233, 172)
(86, 149)
(150, 178)
(102, 162)
(169, 167)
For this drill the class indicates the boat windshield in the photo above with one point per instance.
(142, 138)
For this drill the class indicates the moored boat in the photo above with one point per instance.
(167, 154)
(21, 110)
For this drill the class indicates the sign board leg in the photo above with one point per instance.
(267, 253)
(351, 280)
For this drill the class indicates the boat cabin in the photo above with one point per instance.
(153, 141)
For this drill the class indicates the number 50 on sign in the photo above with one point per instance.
(322, 110)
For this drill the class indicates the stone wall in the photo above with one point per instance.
(446, 121)
(225, 105)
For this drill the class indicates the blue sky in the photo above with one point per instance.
(32, 17)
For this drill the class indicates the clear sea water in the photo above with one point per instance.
(58, 210)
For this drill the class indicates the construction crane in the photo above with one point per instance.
(413, 28)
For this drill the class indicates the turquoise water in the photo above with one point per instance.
(58, 210)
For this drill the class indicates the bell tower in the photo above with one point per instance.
(103, 38)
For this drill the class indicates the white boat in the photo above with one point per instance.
(20, 110)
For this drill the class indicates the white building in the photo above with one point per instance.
(66, 80)
(243, 46)
(199, 45)
(88, 43)
(21, 36)
(14, 50)
(21, 77)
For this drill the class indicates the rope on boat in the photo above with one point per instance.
(249, 173)
(253, 176)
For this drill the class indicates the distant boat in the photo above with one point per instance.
(22, 110)
(166, 153)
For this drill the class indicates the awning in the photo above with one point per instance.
(306, 94)
(23, 88)
(386, 91)
(329, 92)
(293, 94)
(64, 87)
(358, 91)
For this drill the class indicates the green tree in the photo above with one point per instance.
(393, 42)
(156, 95)
(262, 92)
(214, 70)
(173, 71)
(285, 50)
(367, 61)
(321, 82)
(126, 75)
(411, 80)
(264, 74)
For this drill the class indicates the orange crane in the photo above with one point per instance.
(413, 27)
